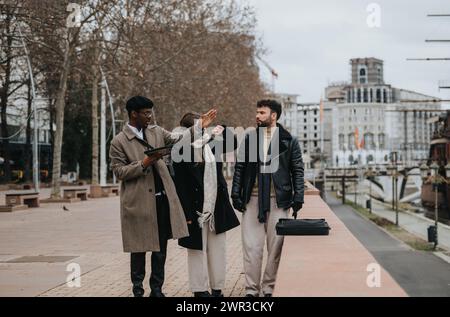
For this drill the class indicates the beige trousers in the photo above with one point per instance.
(254, 235)
(208, 264)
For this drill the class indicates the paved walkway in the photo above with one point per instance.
(419, 273)
(336, 265)
(39, 248)
(88, 235)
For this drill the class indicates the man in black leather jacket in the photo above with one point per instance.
(268, 182)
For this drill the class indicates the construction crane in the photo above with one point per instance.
(273, 72)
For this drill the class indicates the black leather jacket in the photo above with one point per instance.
(288, 179)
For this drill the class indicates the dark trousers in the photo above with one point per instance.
(158, 259)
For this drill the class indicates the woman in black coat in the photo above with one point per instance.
(207, 232)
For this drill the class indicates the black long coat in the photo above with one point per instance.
(189, 185)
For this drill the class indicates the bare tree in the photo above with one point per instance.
(184, 54)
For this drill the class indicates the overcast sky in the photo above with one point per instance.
(310, 43)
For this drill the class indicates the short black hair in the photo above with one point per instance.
(274, 106)
(137, 103)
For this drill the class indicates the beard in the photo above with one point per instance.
(264, 124)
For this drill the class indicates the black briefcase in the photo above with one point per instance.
(302, 227)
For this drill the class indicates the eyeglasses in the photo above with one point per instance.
(148, 114)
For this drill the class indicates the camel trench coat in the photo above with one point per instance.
(137, 193)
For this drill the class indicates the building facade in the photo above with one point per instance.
(303, 121)
(371, 119)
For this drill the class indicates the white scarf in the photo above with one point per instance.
(209, 183)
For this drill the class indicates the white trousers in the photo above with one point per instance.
(207, 268)
(254, 236)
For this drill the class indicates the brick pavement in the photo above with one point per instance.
(89, 232)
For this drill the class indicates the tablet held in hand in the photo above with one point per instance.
(162, 151)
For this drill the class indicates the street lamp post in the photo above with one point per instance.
(343, 174)
(36, 172)
(355, 173)
(370, 174)
(389, 169)
(392, 171)
(435, 175)
(435, 179)
(396, 195)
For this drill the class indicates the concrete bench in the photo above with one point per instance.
(110, 189)
(101, 191)
(69, 193)
(30, 199)
(11, 208)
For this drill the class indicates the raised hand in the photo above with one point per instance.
(207, 118)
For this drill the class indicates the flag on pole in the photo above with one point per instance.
(357, 144)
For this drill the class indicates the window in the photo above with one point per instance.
(359, 96)
(369, 143)
(341, 142)
(351, 141)
(351, 159)
(306, 136)
(315, 143)
(304, 112)
(378, 95)
(315, 112)
(362, 74)
(381, 141)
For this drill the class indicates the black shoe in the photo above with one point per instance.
(157, 294)
(267, 295)
(251, 295)
(202, 294)
(217, 293)
(138, 290)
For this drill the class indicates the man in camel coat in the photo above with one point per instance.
(150, 210)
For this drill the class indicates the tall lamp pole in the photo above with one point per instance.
(35, 121)
(111, 108)
(370, 174)
(435, 179)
